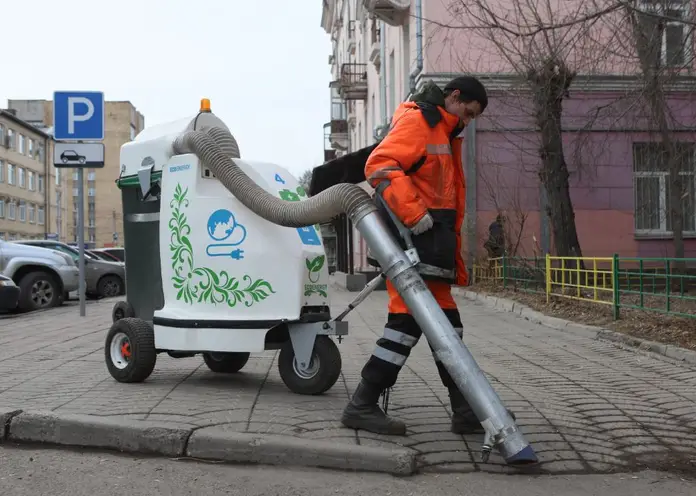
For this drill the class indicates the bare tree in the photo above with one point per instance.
(305, 179)
(659, 36)
(545, 64)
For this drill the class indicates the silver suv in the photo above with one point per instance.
(102, 279)
(43, 276)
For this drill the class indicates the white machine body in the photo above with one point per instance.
(227, 274)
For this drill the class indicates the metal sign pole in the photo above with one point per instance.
(78, 130)
(81, 234)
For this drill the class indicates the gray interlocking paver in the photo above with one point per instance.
(586, 405)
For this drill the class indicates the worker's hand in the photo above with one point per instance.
(422, 225)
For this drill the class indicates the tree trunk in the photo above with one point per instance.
(549, 84)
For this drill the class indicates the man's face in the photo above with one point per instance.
(466, 111)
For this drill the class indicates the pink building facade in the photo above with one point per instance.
(384, 50)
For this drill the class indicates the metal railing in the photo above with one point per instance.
(661, 285)
(353, 73)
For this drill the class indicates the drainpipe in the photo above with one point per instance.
(419, 45)
(47, 194)
(382, 73)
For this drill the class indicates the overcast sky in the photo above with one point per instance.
(263, 64)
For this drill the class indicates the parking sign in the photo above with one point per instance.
(78, 115)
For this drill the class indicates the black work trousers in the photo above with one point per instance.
(401, 334)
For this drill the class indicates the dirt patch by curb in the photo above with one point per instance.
(652, 326)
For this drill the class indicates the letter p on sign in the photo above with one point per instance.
(73, 117)
(78, 115)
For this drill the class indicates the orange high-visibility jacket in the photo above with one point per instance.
(421, 159)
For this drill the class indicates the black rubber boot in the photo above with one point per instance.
(364, 413)
(464, 420)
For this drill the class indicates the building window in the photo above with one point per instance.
(22, 211)
(2, 171)
(41, 184)
(11, 178)
(32, 209)
(2, 135)
(31, 148)
(2, 209)
(12, 211)
(666, 36)
(91, 176)
(41, 150)
(22, 144)
(11, 139)
(58, 177)
(652, 187)
(42, 216)
(32, 181)
(22, 177)
(75, 192)
(92, 191)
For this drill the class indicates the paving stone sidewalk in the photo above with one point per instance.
(587, 406)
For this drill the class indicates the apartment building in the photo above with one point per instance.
(385, 50)
(103, 209)
(32, 201)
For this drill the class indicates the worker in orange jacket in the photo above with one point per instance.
(417, 170)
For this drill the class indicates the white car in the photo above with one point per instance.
(43, 275)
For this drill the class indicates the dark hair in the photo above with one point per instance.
(470, 89)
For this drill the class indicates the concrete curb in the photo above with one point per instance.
(285, 450)
(592, 332)
(208, 443)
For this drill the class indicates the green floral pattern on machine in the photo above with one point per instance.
(314, 267)
(294, 196)
(201, 284)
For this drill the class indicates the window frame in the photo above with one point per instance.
(662, 176)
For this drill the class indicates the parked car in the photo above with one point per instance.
(9, 294)
(103, 279)
(43, 276)
(119, 253)
(102, 255)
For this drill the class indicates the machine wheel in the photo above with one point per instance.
(226, 363)
(122, 310)
(130, 350)
(324, 368)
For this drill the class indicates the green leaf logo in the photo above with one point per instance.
(316, 264)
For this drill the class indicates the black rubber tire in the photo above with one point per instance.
(122, 310)
(329, 367)
(26, 304)
(141, 336)
(106, 280)
(226, 363)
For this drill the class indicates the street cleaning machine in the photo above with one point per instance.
(224, 258)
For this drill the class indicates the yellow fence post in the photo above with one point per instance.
(548, 277)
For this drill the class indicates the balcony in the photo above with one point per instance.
(338, 134)
(393, 12)
(329, 153)
(352, 84)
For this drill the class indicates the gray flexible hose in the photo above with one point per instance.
(211, 145)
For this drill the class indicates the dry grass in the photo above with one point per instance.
(650, 325)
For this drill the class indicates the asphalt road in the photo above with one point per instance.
(31, 472)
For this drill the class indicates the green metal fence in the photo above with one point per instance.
(660, 285)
